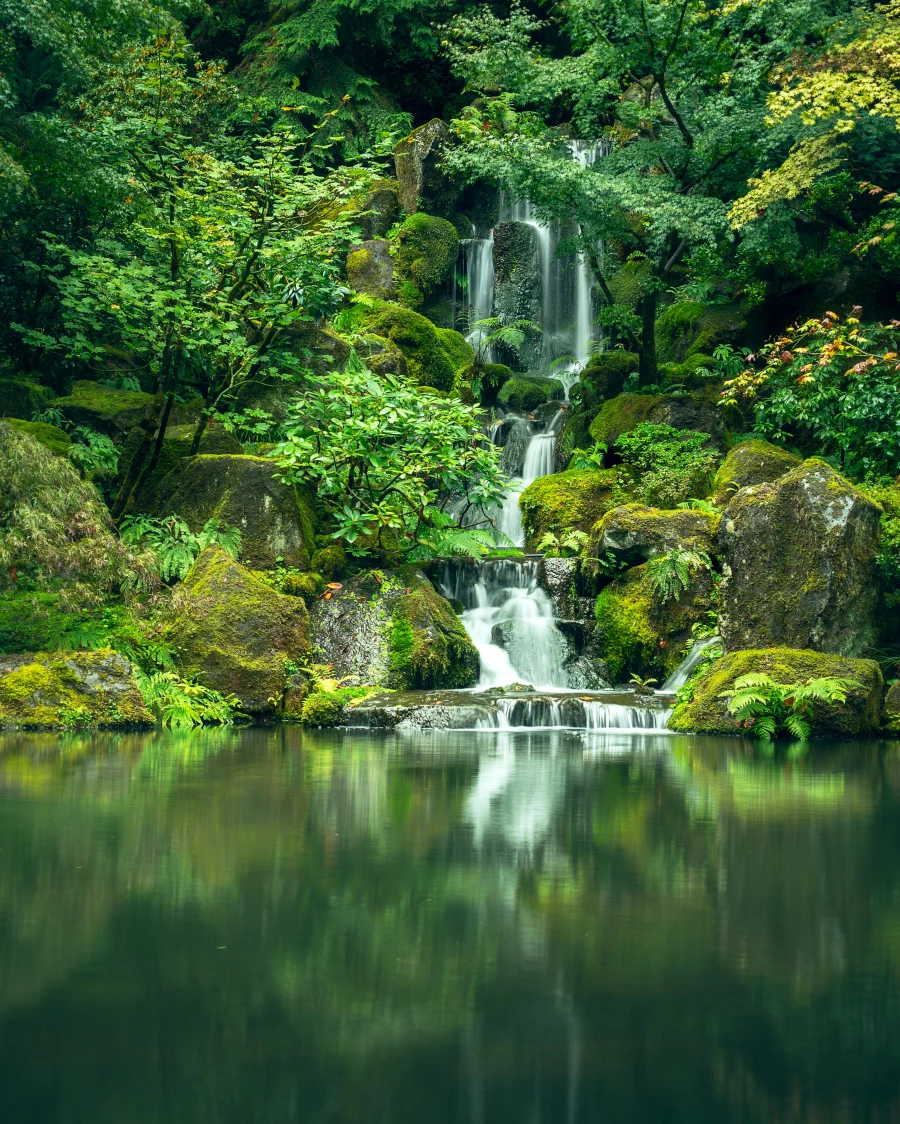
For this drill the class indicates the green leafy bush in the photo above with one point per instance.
(669, 465)
(180, 703)
(94, 453)
(564, 545)
(768, 708)
(175, 545)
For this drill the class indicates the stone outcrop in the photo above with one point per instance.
(275, 520)
(751, 462)
(22, 397)
(798, 563)
(635, 533)
(567, 500)
(175, 447)
(423, 185)
(707, 711)
(235, 632)
(574, 611)
(696, 411)
(370, 269)
(70, 690)
(110, 411)
(391, 628)
(517, 272)
(424, 253)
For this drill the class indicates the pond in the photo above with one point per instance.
(257, 926)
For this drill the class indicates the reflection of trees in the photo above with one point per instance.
(549, 928)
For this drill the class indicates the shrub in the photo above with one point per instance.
(175, 545)
(767, 708)
(183, 703)
(669, 465)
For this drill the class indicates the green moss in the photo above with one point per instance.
(307, 585)
(425, 249)
(77, 689)
(428, 361)
(675, 331)
(637, 532)
(621, 414)
(429, 648)
(527, 392)
(751, 462)
(50, 436)
(330, 560)
(706, 712)
(21, 397)
(103, 408)
(567, 500)
(604, 376)
(642, 633)
(323, 708)
(176, 445)
(461, 353)
(627, 286)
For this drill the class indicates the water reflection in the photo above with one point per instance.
(276, 925)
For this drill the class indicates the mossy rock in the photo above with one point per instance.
(382, 356)
(275, 520)
(70, 690)
(890, 717)
(707, 713)
(526, 393)
(461, 352)
(643, 634)
(565, 501)
(425, 250)
(390, 628)
(109, 411)
(695, 411)
(423, 185)
(689, 374)
(636, 533)
(330, 560)
(604, 376)
(751, 462)
(370, 269)
(235, 632)
(322, 350)
(575, 434)
(689, 327)
(798, 559)
(176, 445)
(50, 436)
(428, 361)
(21, 397)
(307, 584)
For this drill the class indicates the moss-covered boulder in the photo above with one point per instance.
(275, 520)
(604, 376)
(696, 411)
(50, 436)
(423, 186)
(707, 712)
(428, 361)
(235, 632)
(643, 633)
(461, 352)
(22, 397)
(689, 327)
(109, 411)
(636, 533)
(751, 462)
(568, 500)
(176, 446)
(70, 690)
(424, 253)
(390, 628)
(799, 564)
(517, 277)
(527, 392)
(320, 348)
(370, 269)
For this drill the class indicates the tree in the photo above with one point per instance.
(676, 87)
(231, 243)
(384, 468)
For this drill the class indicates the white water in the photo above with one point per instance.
(540, 457)
(573, 711)
(682, 673)
(479, 264)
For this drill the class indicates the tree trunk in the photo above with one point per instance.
(647, 369)
(202, 421)
(141, 454)
(150, 464)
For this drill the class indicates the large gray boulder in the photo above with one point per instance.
(370, 269)
(798, 564)
(636, 533)
(417, 160)
(751, 462)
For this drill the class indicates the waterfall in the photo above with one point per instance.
(540, 455)
(682, 673)
(479, 269)
(572, 712)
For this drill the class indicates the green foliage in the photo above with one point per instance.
(831, 387)
(565, 545)
(767, 708)
(383, 467)
(669, 574)
(182, 704)
(94, 453)
(175, 545)
(669, 464)
(591, 459)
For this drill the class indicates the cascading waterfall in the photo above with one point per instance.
(540, 455)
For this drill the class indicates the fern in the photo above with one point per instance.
(589, 459)
(565, 545)
(182, 704)
(669, 574)
(93, 452)
(766, 707)
(175, 544)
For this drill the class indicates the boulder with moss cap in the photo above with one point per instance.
(425, 250)
(423, 186)
(635, 533)
(707, 712)
(798, 563)
(390, 628)
(527, 392)
(176, 445)
(50, 436)
(428, 362)
(21, 397)
(751, 462)
(566, 501)
(276, 521)
(370, 269)
(65, 690)
(235, 632)
(696, 411)
(643, 633)
(104, 408)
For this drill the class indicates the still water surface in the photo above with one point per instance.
(271, 926)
